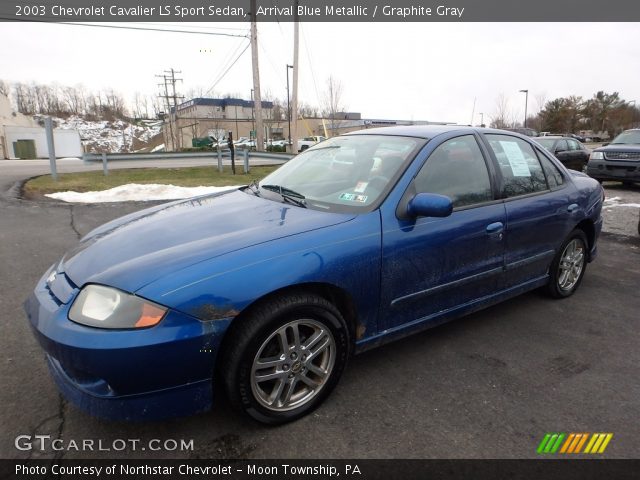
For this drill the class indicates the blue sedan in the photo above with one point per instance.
(264, 292)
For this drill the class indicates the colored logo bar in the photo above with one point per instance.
(574, 443)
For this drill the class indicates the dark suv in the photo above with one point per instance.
(618, 160)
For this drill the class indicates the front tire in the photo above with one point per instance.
(283, 360)
(568, 266)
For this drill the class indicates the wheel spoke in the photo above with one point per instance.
(277, 391)
(269, 362)
(290, 387)
(284, 341)
(314, 339)
(319, 349)
(296, 336)
(317, 370)
(269, 376)
(311, 383)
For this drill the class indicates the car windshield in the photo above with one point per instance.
(630, 136)
(351, 173)
(546, 142)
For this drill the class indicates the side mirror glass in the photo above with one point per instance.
(429, 205)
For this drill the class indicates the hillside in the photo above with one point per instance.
(112, 136)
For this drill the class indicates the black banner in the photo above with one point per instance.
(547, 469)
(320, 11)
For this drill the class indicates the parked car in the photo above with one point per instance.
(569, 151)
(618, 160)
(307, 142)
(265, 291)
(529, 132)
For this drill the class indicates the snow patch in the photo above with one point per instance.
(137, 192)
(105, 136)
(615, 202)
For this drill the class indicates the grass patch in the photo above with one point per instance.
(183, 177)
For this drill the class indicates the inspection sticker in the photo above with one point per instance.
(518, 163)
(352, 197)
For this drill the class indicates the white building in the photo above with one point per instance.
(22, 137)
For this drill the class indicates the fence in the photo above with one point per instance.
(245, 155)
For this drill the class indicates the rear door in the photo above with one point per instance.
(536, 213)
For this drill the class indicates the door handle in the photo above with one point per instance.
(496, 227)
(572, 208)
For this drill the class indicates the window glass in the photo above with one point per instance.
(349, 173)
(573, 145)
(519, 165)
(456, 169)
(562, 146)
(554, 177)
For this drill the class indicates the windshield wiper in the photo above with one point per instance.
(287, 194)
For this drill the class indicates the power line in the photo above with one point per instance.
(120, 27)
(227, 61)
(227, 70)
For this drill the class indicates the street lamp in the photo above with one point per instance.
(482, 119)
(526, 101)
(289, 106)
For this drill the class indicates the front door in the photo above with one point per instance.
(433, 265)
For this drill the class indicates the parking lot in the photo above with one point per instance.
(486, 386)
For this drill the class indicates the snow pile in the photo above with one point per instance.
(137, 192)
(615, 202)
(116, 136)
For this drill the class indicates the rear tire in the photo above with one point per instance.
(568, 266)
(284, 359)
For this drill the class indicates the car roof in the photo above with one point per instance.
(428, 131)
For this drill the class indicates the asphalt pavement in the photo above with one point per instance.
(489, 385)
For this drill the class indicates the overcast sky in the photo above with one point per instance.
(419, 71)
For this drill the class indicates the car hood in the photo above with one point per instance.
(619, 147)
(130, 252)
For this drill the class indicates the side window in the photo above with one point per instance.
(456, 169)
(573, 145)
(561, 146)
(521, 170)
(554, 177)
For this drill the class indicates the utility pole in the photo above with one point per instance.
(253, 115)
(294, 96)
(257, 102)
(289, 108)
(171, 101)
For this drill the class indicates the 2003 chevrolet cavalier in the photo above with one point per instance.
(265, 291)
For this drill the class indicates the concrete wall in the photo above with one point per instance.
(67, 142)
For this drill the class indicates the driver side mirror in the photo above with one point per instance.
(429, 205)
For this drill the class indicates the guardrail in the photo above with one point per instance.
(245, 155)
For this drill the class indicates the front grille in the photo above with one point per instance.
(622, 155)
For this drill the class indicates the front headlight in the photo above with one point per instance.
(106, 307)
(596, 156)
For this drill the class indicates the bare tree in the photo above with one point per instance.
(5, 88)
(333, 103)
(503, 116)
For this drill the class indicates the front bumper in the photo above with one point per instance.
(145, 374)
(623, 171)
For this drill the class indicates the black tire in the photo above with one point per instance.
(258, 332)
(555, 286)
